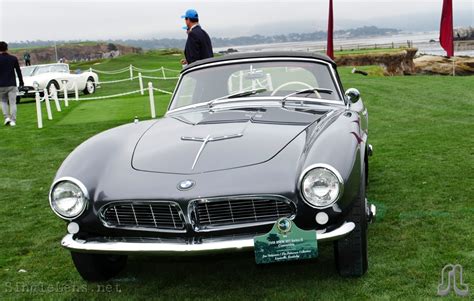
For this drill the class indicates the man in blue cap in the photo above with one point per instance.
(198, 44)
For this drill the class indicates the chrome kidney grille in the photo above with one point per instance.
(152, 215)
(230, 213)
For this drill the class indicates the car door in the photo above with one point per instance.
(60, 73)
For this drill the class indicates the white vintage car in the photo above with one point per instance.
(56, 76)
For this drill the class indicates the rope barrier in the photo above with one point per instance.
(126, 69)
(173, 70)
(54, 93)
(163, 91)
(118, 80)
(147, 70)
(110, 72)
(159, 77)
(111, 96)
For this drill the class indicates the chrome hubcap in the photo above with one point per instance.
(90, 86)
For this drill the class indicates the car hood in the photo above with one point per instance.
(205, 141)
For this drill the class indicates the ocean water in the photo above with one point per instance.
(420, 40)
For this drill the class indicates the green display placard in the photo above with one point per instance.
(285, 242)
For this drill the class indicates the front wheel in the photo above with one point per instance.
(98, 267)
(350, 252)
(18, 99)
(90, 86)
(52, 86)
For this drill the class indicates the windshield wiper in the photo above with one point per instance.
(211, 102)
(306, 91)
(236, 95)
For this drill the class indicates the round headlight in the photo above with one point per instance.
(321, 186)
(68, 198)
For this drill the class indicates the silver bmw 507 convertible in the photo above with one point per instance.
(250, 143)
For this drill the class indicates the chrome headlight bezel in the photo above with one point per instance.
(81, 187)
(327, 168)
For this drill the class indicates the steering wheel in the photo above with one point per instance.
(294, 83)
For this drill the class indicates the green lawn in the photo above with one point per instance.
(151, 60)
(421, 178)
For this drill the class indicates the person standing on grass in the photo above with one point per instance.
(8, 89)
(27, 58)
(198, 45)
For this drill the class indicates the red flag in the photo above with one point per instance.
(330, 46)
(446, 29)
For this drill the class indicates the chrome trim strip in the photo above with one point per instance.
(328, 167)
(76, 182)
(203, 145)
(180, 247)
(196, 228)
(263, 100)
(145, 229)
(269, 59)
(207, 139)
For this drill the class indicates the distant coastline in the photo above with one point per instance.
(425, 42)
(218, 42)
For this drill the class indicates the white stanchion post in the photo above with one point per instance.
(39, 115)
(140, 80)
(56, 100)
(163, 72)
(152, 100)
(48, 105)
(76, 92)
(90, 69)
(66, 100)
(131, 72)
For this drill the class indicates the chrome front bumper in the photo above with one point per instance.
(179, 247)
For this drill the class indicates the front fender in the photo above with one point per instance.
(91, 159)
(338, 143)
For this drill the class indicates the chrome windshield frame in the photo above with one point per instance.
(259, 102)
(334, 78)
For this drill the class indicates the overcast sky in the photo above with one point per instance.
(100, 19)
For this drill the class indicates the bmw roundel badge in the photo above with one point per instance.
(186, 185)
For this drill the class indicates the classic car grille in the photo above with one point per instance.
(240, 212)
(147, 215)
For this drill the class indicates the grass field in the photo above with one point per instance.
(421, 178)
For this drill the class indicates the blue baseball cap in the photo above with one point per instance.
(190, 14)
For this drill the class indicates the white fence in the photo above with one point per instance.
(53, 93)
(132, 70)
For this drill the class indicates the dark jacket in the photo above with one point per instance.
(8, 66)
(198, 45)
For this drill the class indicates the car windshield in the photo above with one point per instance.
(27, 71)
(278, 78)
(59, 68)
(52, 68)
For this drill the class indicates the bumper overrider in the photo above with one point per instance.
(179, 246)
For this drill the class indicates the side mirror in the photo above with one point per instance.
(353, 95)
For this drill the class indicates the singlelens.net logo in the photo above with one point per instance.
(452, 273)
